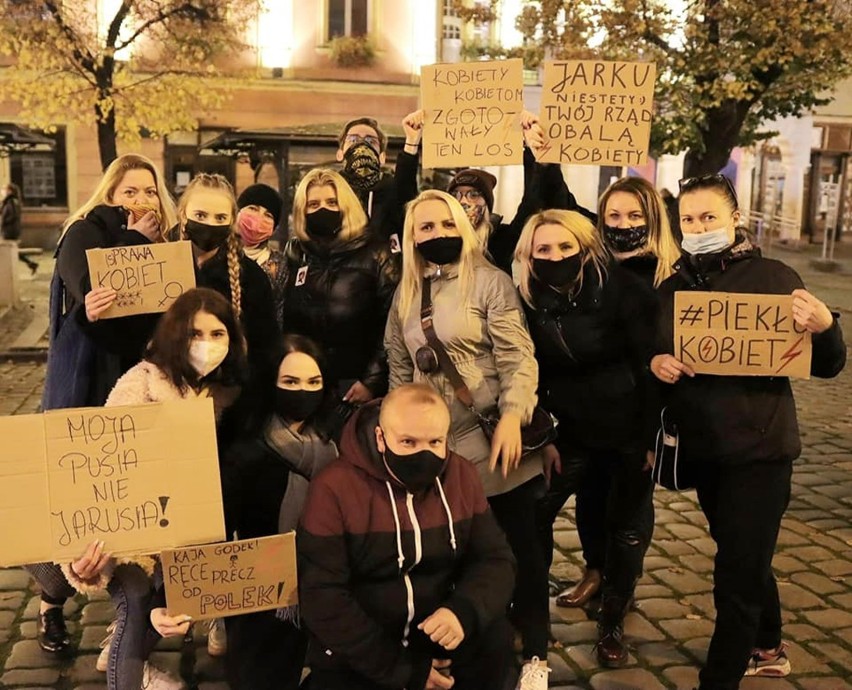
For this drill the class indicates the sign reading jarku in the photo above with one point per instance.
(737, 334)
(472, 114)
(597, 113)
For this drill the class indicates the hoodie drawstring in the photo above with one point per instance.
(449, 514)
(400, 555)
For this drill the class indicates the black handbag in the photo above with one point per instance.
(671, 470)
(541, 429)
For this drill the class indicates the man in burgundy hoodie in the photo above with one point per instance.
(404, 576)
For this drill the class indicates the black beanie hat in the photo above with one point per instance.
(262, 195)
(481, 181)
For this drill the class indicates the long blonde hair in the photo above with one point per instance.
(110, 181)
(414, 265)
(592, 249)
(661, 241)
(354, 218)
(218, 183)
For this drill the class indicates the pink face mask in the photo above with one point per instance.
(254, 228)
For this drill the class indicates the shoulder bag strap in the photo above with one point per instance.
(426, 311)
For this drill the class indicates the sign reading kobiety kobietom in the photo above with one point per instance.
(141, 478)
(597, 113)
(215, 580)
(737, 334)
(472, 114)
(147, 277)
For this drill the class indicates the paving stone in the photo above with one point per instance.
(802, 632)
(697, 563)
(795, 597)
(674, 547)
(31, 611)
(29, 629)
(697, 648)
(682, 677)
(625, 678)
(682, 531)
(98, 612)
(787, 564)
(583, 656)
(835, 655)
(14, 579)
(639, 630)
(835, 567)
(92, 636)
(766, 684)
(829, 618)
(817, 583)
(651, 591)
(31, 677)
(567, 541)
(687, 629)
(659, 654)
(11, 601)
(704, 546)
(560, 671)
(586, 631)
(824, 684)
(684, 581)
(804, 662)
(663, 607)
(27, 654)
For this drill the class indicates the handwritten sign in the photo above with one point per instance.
(597, 113)
(232, 578)
(140, 478)
(147, 277)
(472, 114)
(734, 334)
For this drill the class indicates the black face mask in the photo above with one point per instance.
(417, 471)
(361, 167)
(624, 240)
(297, 405)
(441, 250)
(206, 237)
(323, 224)
(558, 274)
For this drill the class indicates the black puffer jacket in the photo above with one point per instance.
(120, 343)
(593, 351)
(340, 296)
(738, 419)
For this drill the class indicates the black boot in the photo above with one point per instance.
(52, 634)
(611, 650)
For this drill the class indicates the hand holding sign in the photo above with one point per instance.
(92, 563)
(810, 313)
(169, 626)
(98, 301)
(412, 125)
(669, 369)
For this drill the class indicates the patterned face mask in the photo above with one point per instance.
(361, 167)
(624, 240)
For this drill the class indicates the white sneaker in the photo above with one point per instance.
(156, 679)
(103, 658)
(533, 675)
(217, 641)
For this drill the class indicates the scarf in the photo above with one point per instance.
(260, 254)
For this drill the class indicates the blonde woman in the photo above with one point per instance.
(479, 320)
(634, 225)
(340, 283)
(592, 323)
(130, 206)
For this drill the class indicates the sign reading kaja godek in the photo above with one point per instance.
(595, 112)
(140, 478)
(214, 580)
(472, 114)
(146, 277)
(737, 334)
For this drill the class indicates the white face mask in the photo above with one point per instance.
(706, 242)
(206, 355)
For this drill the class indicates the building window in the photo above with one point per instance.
(348, 18)
(42, 174)
(450, 9)
(452, 31)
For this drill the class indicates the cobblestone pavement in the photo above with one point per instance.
(668, 632)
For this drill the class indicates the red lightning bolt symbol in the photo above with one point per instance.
(707, 347)
(789, 356)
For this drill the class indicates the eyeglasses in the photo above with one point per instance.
(353, 139)
(707, 181)
(473, 195)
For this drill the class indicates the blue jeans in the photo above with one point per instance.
(132, 592)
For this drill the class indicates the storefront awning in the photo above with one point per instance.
(239, 141)
(14, 138)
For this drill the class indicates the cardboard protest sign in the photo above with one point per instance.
(140, 478)
(595, 112)
(228, 579)
(472, 114)
(734, 334)
(147, 277)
